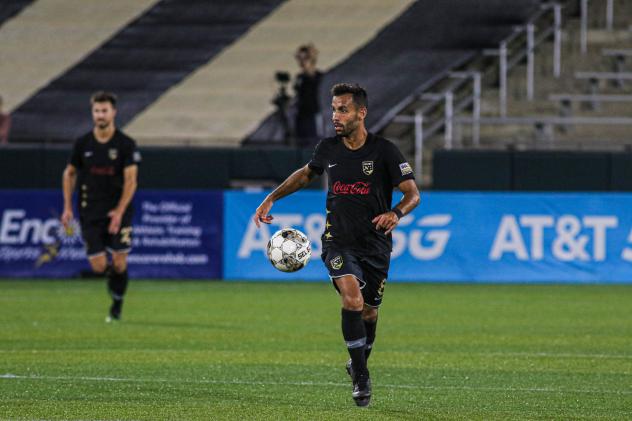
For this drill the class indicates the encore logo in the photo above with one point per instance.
(359, 187)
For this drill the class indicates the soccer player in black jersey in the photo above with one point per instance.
(362, 169)
(104, 166)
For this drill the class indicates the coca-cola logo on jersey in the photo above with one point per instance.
(97, 170)
(359, 187)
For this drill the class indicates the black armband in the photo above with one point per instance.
(398, 212)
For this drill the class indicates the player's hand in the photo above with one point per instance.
(261, 214)
(386, 221)
(66, 217)
(115, 221)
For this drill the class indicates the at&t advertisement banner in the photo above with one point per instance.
(481, 237)
(175, 235)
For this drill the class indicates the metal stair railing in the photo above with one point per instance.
(445, 98)
(523, 42)
(583, 31)
(545, 124)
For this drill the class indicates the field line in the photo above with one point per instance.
(9, 376)
(482, 354)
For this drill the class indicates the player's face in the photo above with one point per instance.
(346, 115)
(103, 114)
(303, 60)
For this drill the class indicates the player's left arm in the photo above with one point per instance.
(130, 176)
(389, 220)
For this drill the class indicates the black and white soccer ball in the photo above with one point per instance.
(289, 250)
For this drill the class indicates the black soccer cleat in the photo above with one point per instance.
(362, 390)
(115, 311)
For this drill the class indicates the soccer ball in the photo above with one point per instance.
(289, 250)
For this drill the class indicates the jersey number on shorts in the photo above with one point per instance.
(126, 235)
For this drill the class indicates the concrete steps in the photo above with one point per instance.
(223, 101)
(578, 137)
(49, 37)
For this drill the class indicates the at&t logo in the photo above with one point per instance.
(427, 241)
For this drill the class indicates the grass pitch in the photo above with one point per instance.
(220, 350)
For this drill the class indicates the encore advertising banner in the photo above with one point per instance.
(175, 235)
(460, 237)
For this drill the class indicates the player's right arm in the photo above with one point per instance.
(68, 186)
(299, 179)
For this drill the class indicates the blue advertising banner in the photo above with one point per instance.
(245, 245)
(479, 237)
(175, 235)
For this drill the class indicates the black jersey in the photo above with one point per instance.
(360, 188)
(100, 172)
(306, 88)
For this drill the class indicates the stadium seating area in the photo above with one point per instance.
(226, 99)
(569, 92)
(42, 42)
(587, 91)
(12, 7)
(139, 62)
(419, 46)
(169, 50)
(201, 72)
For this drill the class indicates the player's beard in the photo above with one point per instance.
(349, 128)
(102, 124)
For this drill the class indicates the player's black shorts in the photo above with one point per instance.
(97, 239)
(371, 271)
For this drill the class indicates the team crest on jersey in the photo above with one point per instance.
(336, 262)
(112, 153)
(367, 167)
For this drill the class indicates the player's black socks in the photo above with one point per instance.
(370, 326)
(117, 284)
(354, 334)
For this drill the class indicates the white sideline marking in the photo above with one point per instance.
(554, 355)
(482, 354)
(9, 376)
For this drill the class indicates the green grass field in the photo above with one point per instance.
(219, 350)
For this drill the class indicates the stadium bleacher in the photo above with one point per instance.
(49, 37)
(168, 51)
(139, 62)
(227, 98)
(10, 8)
(197, 73)
(418, 46)
(202, 73)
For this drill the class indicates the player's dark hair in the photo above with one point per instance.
(309, 51)
(103, 96)
(360, 98)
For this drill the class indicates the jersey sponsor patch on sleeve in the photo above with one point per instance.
(137, 157)
(405, 168)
